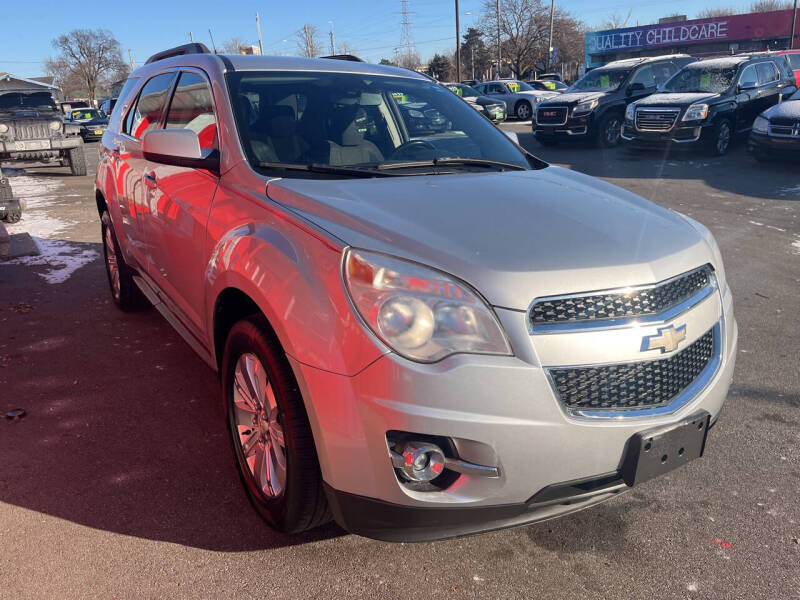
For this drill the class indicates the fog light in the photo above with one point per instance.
(422, 461)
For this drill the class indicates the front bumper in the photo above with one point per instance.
(500, 411)
(767, 145)
(689, 135)
(91, 133)
(575, 128)
(20, 148)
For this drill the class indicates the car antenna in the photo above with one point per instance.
(212, 40)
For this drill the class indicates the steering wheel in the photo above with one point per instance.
(410, 149)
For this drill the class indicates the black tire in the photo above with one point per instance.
(523, 110)
(77, 160)
(721, 141)
(301, 505)
(125, 293)
(609, 130)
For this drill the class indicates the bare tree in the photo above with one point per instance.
(233, 45)
(719, 11)
(769, 5)
(524, 29)
(345, 48)
(617, 21)
(409, 60)
(94, 56)
(308, 43)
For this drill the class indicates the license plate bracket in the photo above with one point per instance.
(657, 451)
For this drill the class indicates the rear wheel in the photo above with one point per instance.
(77, 160)
(523, 110)
(124, 291)
(608, 132)
(269, 427)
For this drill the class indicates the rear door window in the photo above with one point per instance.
(192, 108)
(146, 114)
(767, 73)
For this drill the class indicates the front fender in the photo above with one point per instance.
(293, 273)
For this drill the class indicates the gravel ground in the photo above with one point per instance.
(120, 481)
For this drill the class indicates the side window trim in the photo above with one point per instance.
(175, 84)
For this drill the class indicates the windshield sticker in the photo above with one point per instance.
(514, 87)
(605, 81)
(705, 81)
(549, 85)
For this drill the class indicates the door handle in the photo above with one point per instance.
(150, 180)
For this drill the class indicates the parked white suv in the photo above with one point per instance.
(420, 329)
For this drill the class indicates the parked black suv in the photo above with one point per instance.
(710, 101)
(594, 106)
(776, 131)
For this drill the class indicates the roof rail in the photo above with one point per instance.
(193, 48)
(349, 57)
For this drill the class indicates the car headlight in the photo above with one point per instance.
(761, 125)
(420, 313)
(696, 112)
(630, 112)
(55, 125)
(3, 128)
(585, 107)
(708, 237)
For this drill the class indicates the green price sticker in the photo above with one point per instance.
(514, 87)
(705, 81)
(605, 81)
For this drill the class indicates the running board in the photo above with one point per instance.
(156, 300)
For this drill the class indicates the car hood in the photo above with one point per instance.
(676, 99)
(785, 111)
(93, 122)
(487, 101)
(572, 98)
(514, 236)
(540, 94)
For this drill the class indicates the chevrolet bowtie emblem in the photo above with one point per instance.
(666, 340)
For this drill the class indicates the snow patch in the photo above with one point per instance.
(62, 258)
(796, 247)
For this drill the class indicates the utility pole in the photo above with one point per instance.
(258, 28)
(130, 58)
(499, 57)
(191, 37)
(333, 45)
(472, 59)
(550, 46)
(794, 25)
(458, 46)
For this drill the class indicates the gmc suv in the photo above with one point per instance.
(709, 102)
(594, 106)
(420, 335)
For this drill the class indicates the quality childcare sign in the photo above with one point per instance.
(700, 31)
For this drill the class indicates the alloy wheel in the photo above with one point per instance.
(523, 111)
(257, 420)
(612, 132)
(723, 137)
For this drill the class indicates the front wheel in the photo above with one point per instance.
(723, 134)
(524, 110)
(609, 131)
(272, 438)
(77, 160)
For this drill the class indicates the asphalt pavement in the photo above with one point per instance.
(120, 480)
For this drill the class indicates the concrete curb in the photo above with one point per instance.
(14, 246)
(5, 242)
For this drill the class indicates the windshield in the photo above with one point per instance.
(354, 120)
(700, 78)
(600, 80)
(85, 114)
(461, 90)
(34, 101)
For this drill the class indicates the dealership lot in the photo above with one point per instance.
(120, 482)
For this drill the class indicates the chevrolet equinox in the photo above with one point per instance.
(421, 330)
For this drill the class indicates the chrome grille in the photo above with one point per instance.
(31, 130)
(785, 130)
(636, 385)
(636, 302)
(656, 119)
(551, 115)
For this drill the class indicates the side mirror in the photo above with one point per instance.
(512, 135)
(635, 87)
(178, 147)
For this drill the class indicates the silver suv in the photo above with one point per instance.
(420, 329)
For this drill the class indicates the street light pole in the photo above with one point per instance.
(458, 46)
(258, 28)
(550, 46)
(794, 25)
(333, 45)
(499, 57)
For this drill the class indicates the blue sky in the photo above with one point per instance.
(372, 28)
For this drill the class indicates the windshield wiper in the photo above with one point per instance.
(322, 168)
(453, 160)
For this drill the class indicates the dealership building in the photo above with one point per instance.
(699, 37)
